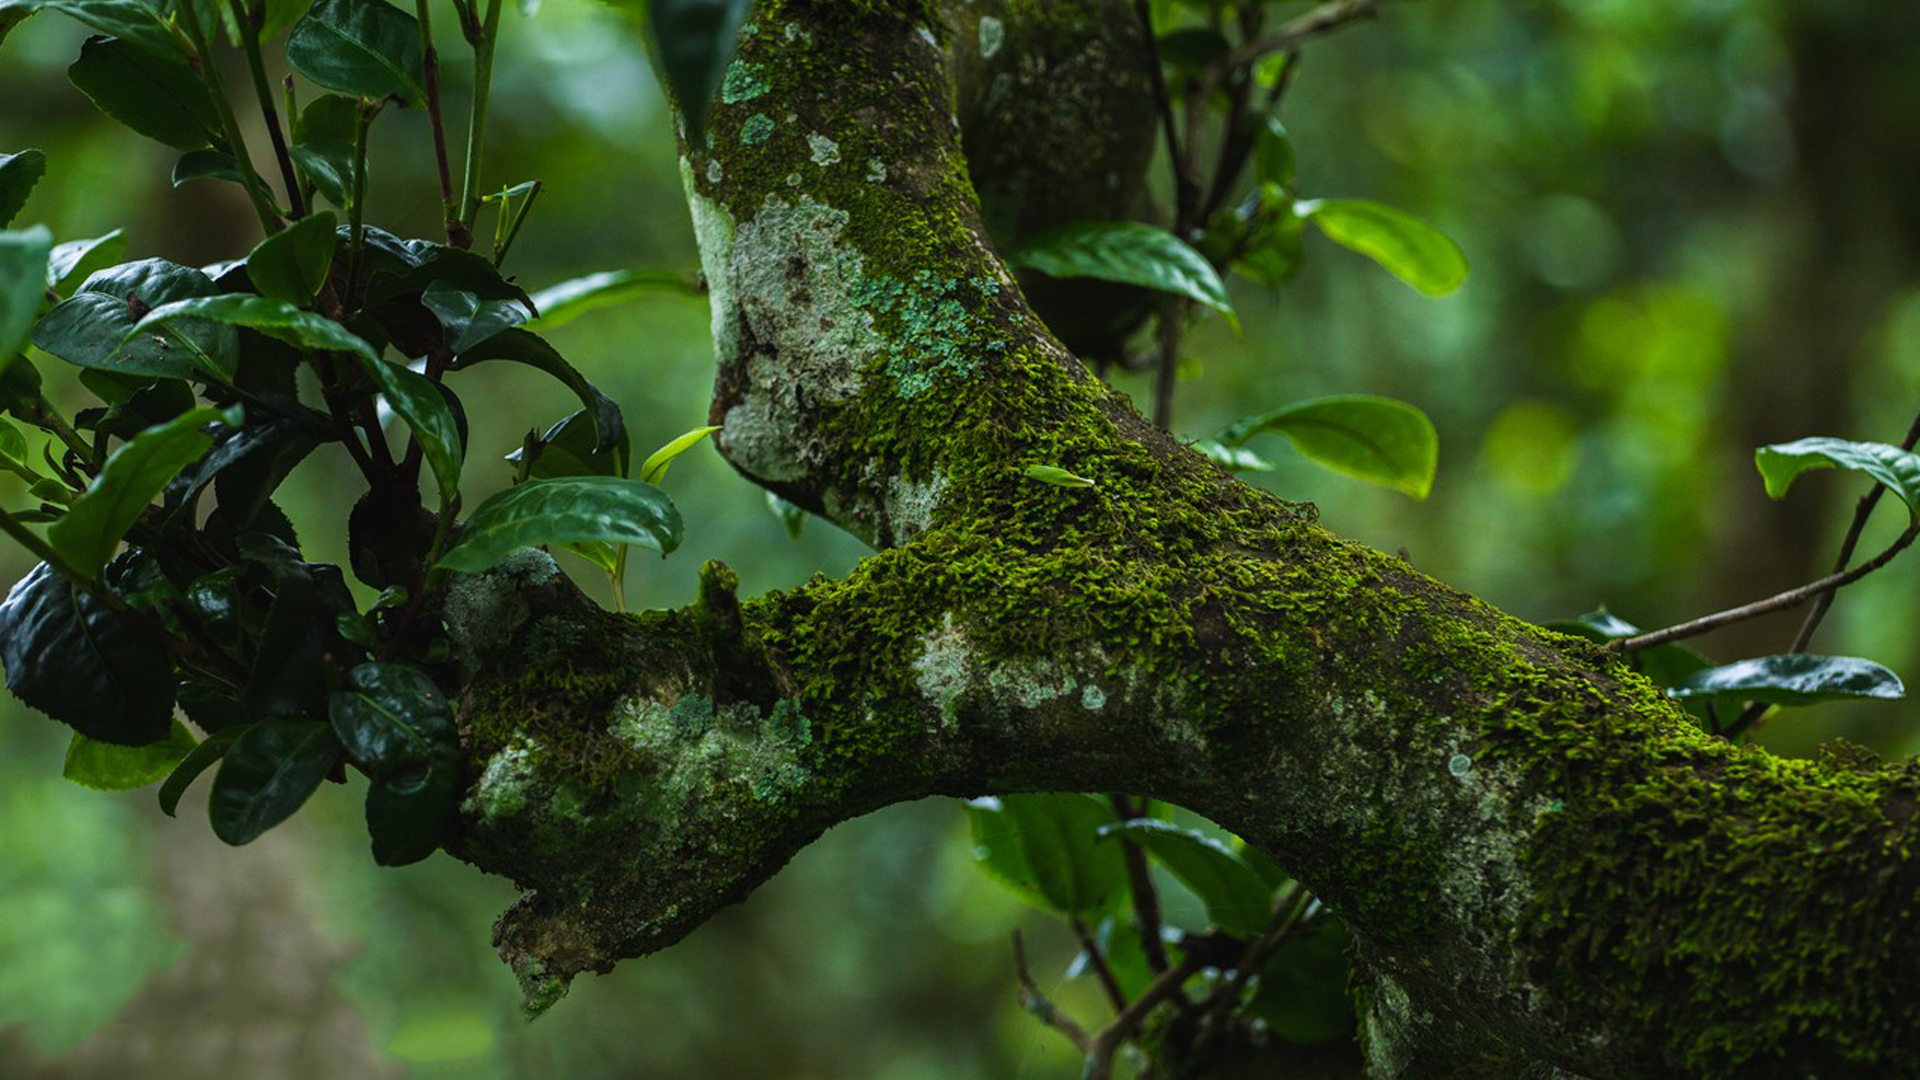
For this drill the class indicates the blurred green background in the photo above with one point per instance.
(1693, 232)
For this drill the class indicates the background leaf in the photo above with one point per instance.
(520, 347)
(654, 469)
(72, 262)
(23, 276)
(1046, 847)
(158, 96)
(1412, 250)
(1237, 900)
(1376, 439)
(18, 175)
(561, 304)
(1128, 252)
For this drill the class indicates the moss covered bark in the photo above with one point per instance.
(1541, 859)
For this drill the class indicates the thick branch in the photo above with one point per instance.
(1541, 860)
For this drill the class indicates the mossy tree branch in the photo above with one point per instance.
(1546, 868)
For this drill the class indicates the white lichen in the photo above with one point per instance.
(993, 34)
(824, 150)
(944, 668)
(701, 751)
(504, 783)
(1092, 698)
(911, 506)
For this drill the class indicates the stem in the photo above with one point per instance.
(262, 205)
(1032, 1000)
(1185, 187)
(519, 218)
(357, 229)
(457, 234)
(249, 24)
(1326, 17)
(1172, 314)
(44, 551)
(1861, 512)
(477, 121)
(1097, 960)
(1790, 598)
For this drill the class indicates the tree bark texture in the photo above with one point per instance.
(1547, 869)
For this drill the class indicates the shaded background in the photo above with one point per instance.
(1693, 230)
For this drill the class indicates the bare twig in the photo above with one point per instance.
(1127, 1024)
(1789, 599)
(1097, 960)
(1186, 186)
(1321, 20)
(1032, 1000)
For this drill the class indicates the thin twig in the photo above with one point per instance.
(1097, 960)
(1146, 898)
(1323, 19)
(1127, 1024)
(1032, 1000)
(1186, 187)
(1173, 314)
(249, 23)
(1789, 599)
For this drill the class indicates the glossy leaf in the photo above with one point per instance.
(268, 773)
(521, 347)
(1410, 249)
(1057, 476)
(1792, 679)
(408, 814)
(91, 328)
(1237, 900)
(274, 318)
(1128, 252)
(158, 96)
(81, 662)
(292, 264)
(207, 165)
(104, 766)
(1046, 848)
(134, 475)
(18, 175)
(391, 718)
(468, 319)
(695, 40)
(199, 760)
(367, 48)
(1663, 665)
(13, 445)
(417, 401)
(23, 276)
(72, 262)
(1376, 439)
(654, 469)
(328, 164)
(568, 449)
(567, 301)
(1891, 466)
(571, 509)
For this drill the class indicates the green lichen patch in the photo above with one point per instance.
(743, 83)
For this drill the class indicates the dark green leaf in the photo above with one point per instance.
(13, 445)
(1237, 900)
(568, 449)
(1412, 250)
(12, 14)
(1128, 252)
(269, 771)
(211, 749)
(1889, 465)
(367, 48)
(74, 261)
(18, 174)
(1663, 665)
(695, 39)
(569, 300)
(1046, 848)
(1190, 49)
(23, 276)
(83, 663)
(1792, 679)
(391, 718)
(128, 20)
(90, 328)
(159, 97)
(329, 165)
(1376, 439)
(329, 117)
(292, 264)
(408, 814)
(104, 766)
(274, 318)
(469, 320)
(570, 509)
(1303, 989)
(521, 347)
(133, 476)
(417, 401)
(207, 165)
